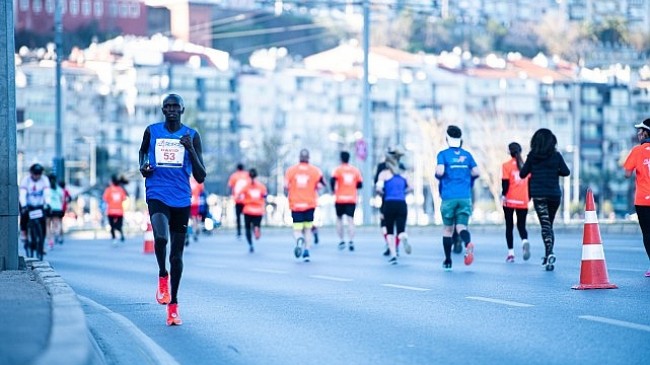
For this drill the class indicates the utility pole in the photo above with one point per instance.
(59, 163)
(368, 134)
(8, 157)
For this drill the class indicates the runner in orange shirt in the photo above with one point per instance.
(639, 161)
(195, 214)
(236, 183)
(345, 181)
(114, 196)
(254, 198)
(301, 183)
(515, 200)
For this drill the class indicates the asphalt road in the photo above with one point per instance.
(353, 308)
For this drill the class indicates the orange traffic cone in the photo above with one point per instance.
(593, 271)
(148, 239)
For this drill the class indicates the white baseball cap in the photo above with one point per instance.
(645, 124)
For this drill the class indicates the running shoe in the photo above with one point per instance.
(550, 261)
(50, 243)
(341, 245)
(351, 246)
(469, 254)
(407, 246)
(162, 295)
(305, 256)
(387, 252)
(114, 242)
(173, 319)
(446, 265)
(251, 249)
(297, 251)
(393, 260)
(510, 258)
(647, 274)
(257, 232)
(526, 249)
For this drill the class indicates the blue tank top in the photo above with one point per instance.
(170, 181)
(395, 189)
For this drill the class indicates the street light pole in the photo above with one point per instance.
(367, 125)
(59, 167)
(8, 160)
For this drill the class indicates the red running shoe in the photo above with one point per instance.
(469, 254)
(162, 295)
(173, 319)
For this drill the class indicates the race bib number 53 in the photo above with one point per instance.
(169, 152)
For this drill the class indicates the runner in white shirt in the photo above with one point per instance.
(33, 193)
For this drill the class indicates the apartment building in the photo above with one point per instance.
(124, 16)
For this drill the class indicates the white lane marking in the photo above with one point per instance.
(157, 354)
(270, 271)
(405, 287)
(626, 269)
(208, 265)
(616, 322)
(499, 301)
(332, 278)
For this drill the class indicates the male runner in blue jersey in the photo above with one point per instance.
(169, 153)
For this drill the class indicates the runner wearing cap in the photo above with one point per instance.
(638, 161)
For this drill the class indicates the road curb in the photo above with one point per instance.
(69, 341)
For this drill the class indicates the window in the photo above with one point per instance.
(74, 7)
(85, 8)
(112, 9)
(135, 10)
(99, 8)
(37, 6)
(124, 10)
(24, 5)
(619, 97)
(49, 6)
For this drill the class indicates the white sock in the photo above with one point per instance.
(511, 252)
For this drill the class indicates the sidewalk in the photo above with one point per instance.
(43, 322)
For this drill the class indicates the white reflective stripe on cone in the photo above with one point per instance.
(593, 252)
(591, 217)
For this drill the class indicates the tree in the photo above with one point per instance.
(559, 37)
(612, 31)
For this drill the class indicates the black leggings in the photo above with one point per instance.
(643, 212)
(116, 221)
(239, 207)
(395, 213)
(546, 209)
(164, 218)
(521, 224)
(251, 221)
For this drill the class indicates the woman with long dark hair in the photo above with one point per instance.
(545, 165)
(515, 201)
